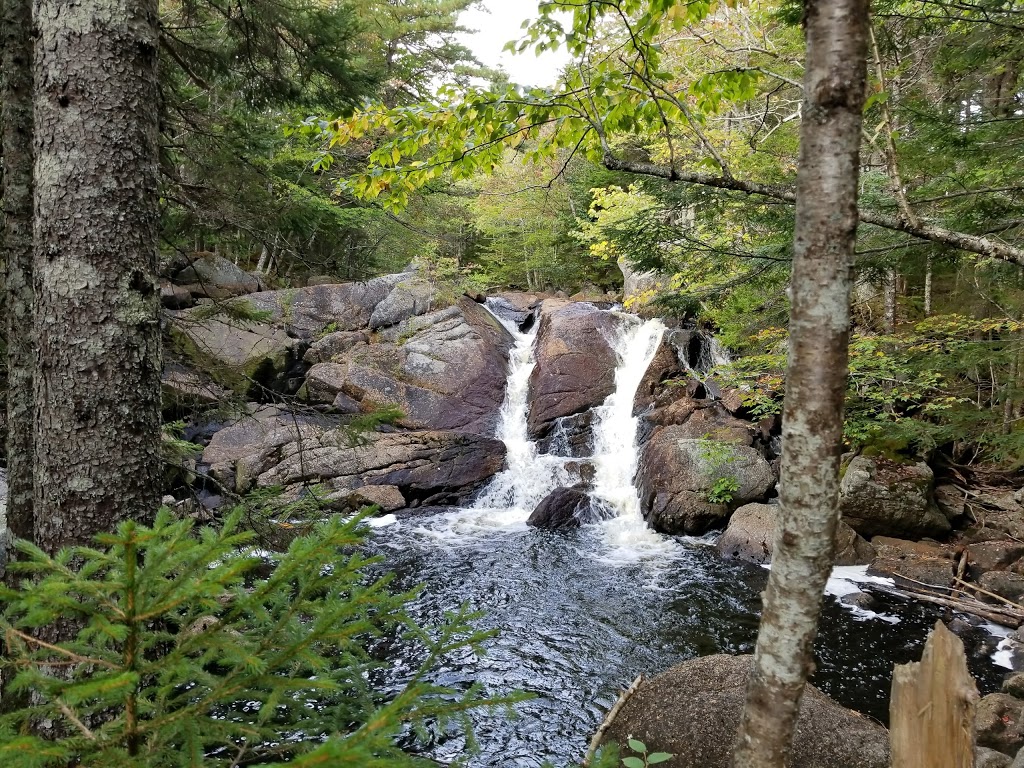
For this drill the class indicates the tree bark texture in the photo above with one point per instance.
(97, 306)
(16, 31)
(825, 235)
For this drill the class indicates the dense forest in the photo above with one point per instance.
(312, 319)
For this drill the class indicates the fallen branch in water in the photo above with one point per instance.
(1006, 616)
(609, 719)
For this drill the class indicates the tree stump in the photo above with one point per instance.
(931, 712)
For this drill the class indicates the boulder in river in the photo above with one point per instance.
(445, 370)
(880, 497)
(692, 712)
(688, 486)
(563, 509)
(912, 562)
(750, 536)
(575, 367)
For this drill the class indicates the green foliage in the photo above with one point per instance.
(358, 427)
(645, 758)
(186, 648)
(719, 455)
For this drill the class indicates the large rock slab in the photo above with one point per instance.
(445, 370)
(237, 454)
(750, 536)
(677, 476)
(308, 313)
(879, 497)
(276, 447)
(692, 712)
(410, 297)
(575, 367)
(250, 358)
(429, 467)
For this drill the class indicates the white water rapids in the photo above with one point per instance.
(529, 476)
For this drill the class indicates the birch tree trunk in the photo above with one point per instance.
(97, 384)
(826, 228)
(16, 31)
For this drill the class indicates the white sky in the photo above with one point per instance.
(502, 24)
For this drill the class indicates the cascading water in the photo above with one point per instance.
(529, 475)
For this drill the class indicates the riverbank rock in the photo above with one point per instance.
(249, 358)
(237, 454)
(750, 536)
(563, 509)
(699, 419)
(880, 497)
(677, 479)
(212, 276)
(912, 563)
(275, 447)
(184, 388)
(444, 370)
(692, 712)
(308, 313)
(999, 723)
(429, 467)
(575, 367)
(410, 297)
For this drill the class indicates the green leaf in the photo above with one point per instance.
(658, 757)
(637, 746)
(633, 762)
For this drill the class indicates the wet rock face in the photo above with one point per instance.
(575, 368)
(880, 497)
(445, 370)
(692, 712)
(570, 436)
(680, 481)
(564, 509)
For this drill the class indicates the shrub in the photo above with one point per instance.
(188, 649)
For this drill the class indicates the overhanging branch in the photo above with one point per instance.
(977, 244)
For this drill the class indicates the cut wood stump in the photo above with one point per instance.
(931, 712)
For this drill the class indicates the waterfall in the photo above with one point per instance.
(529, 475)
(625, 534)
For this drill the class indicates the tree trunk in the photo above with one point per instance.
(825, 235)
(96, 220)
(16, 24)
(928, 287)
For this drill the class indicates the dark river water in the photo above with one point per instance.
(574, 630)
